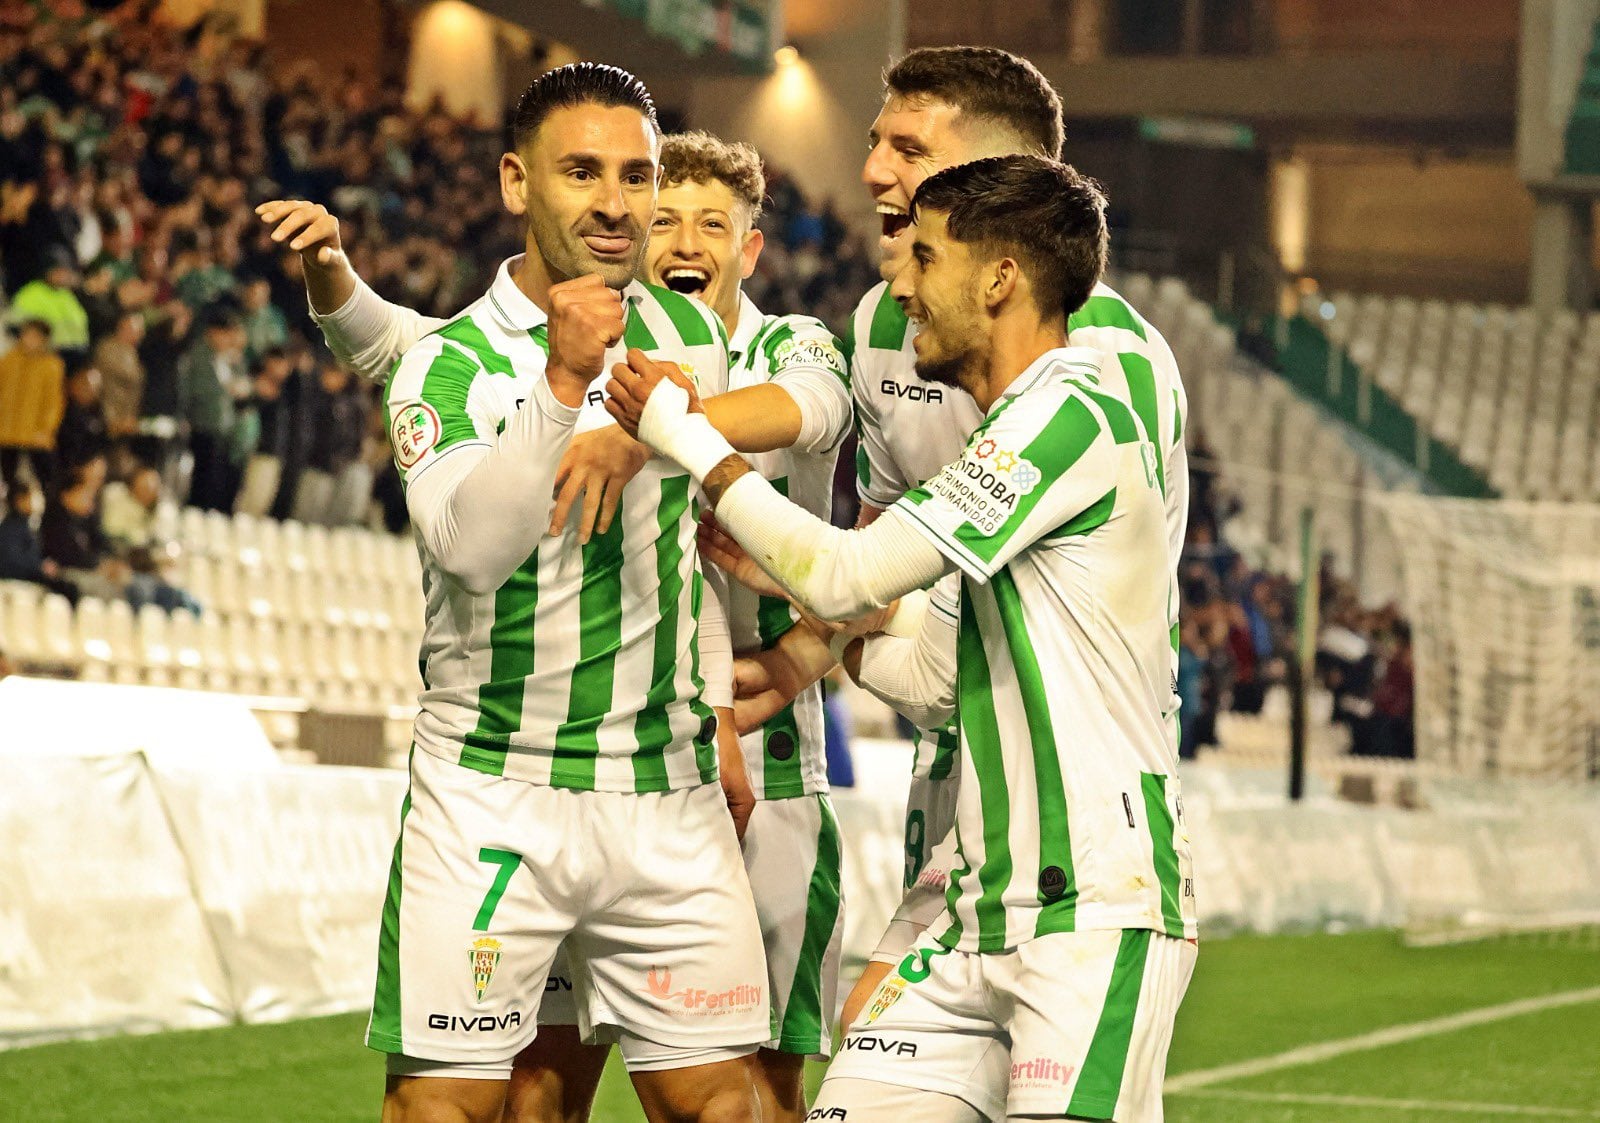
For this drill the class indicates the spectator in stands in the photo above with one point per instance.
(211, 380)
(1191, 663)
(161, 354)
(335, 485)
(50, 298)
(72, 539)
(264, 325)
(21, 555)
(269, 416)
(122, 378)
(83, 434)
(129, 519)
(32, 378)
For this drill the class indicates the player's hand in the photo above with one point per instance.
(586, 319)
(597, 465)
(308, 228)
(757, 697)
(736, 787)
(632, 384)
(718, 547)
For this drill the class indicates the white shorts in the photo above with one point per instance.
(491, 876)
(1073, 1023)
(792, 853)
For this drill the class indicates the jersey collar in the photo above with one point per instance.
(751, 319)
(517, 313)
(1055, 362)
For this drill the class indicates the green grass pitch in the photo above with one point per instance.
(1252, 997)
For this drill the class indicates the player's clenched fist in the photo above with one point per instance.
(585, 319)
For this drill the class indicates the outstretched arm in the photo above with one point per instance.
(836, 574)
(364, 331)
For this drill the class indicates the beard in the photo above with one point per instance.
(957, 369)
(567, 255)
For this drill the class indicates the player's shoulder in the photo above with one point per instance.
(1108, 317)
(448, 359)
(878, 322)
(793, 341)
(1065, 396)
(671, 317)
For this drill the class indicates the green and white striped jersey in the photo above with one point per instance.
(785, 757)
(908, 429)
(1069, 815)
(582, 670)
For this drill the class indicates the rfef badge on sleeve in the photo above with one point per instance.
(415, 430)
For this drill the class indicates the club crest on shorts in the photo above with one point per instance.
(887, 994)
(485, 956)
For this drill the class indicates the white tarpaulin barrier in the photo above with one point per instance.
(55, 717)
(290, 865)
(99, 929)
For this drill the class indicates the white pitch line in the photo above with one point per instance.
(1378, 1039)
(1312, 1099)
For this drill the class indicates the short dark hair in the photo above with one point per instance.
(988, 83)
(699, 157)
(581, 83)
(1041, 212)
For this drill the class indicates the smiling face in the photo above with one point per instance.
(912, 138)
(939, 286)
(701, 244)
(586, 183)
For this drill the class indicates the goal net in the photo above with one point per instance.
(1504, 603)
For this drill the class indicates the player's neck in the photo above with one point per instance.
(1015, 347)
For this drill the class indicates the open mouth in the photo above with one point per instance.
(687, 279)
(895, 220)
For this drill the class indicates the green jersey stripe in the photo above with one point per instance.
(636, 333)
(705, 748)
(1092, 516)
(889, 324)
(510, 662)
(1055, 833)
(1162, 852)
(470, 336)
(1100, 1080)
(1059, 445)
(688, 321)
(594, 676)
(951, 936)
(653, 728)
(383, 1031)
(804, 1021)
(446, 386)
(1141, 376)
(770, 345)
(981, 729)
(1106, 312)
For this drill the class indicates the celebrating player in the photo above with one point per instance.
(944, 106)
(1069, 920)
(790, 408)
(564, 783)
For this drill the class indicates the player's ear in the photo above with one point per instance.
(513, 183)
(750, 251)
(1001, 280)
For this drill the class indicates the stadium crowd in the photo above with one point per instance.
(1237, 637)
(158, 338)
(154, 322)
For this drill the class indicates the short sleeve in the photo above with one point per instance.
(1040, 462)
(430, 407)
(807, 360)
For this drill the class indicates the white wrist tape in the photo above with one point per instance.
(670, 429)
(837, 644)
